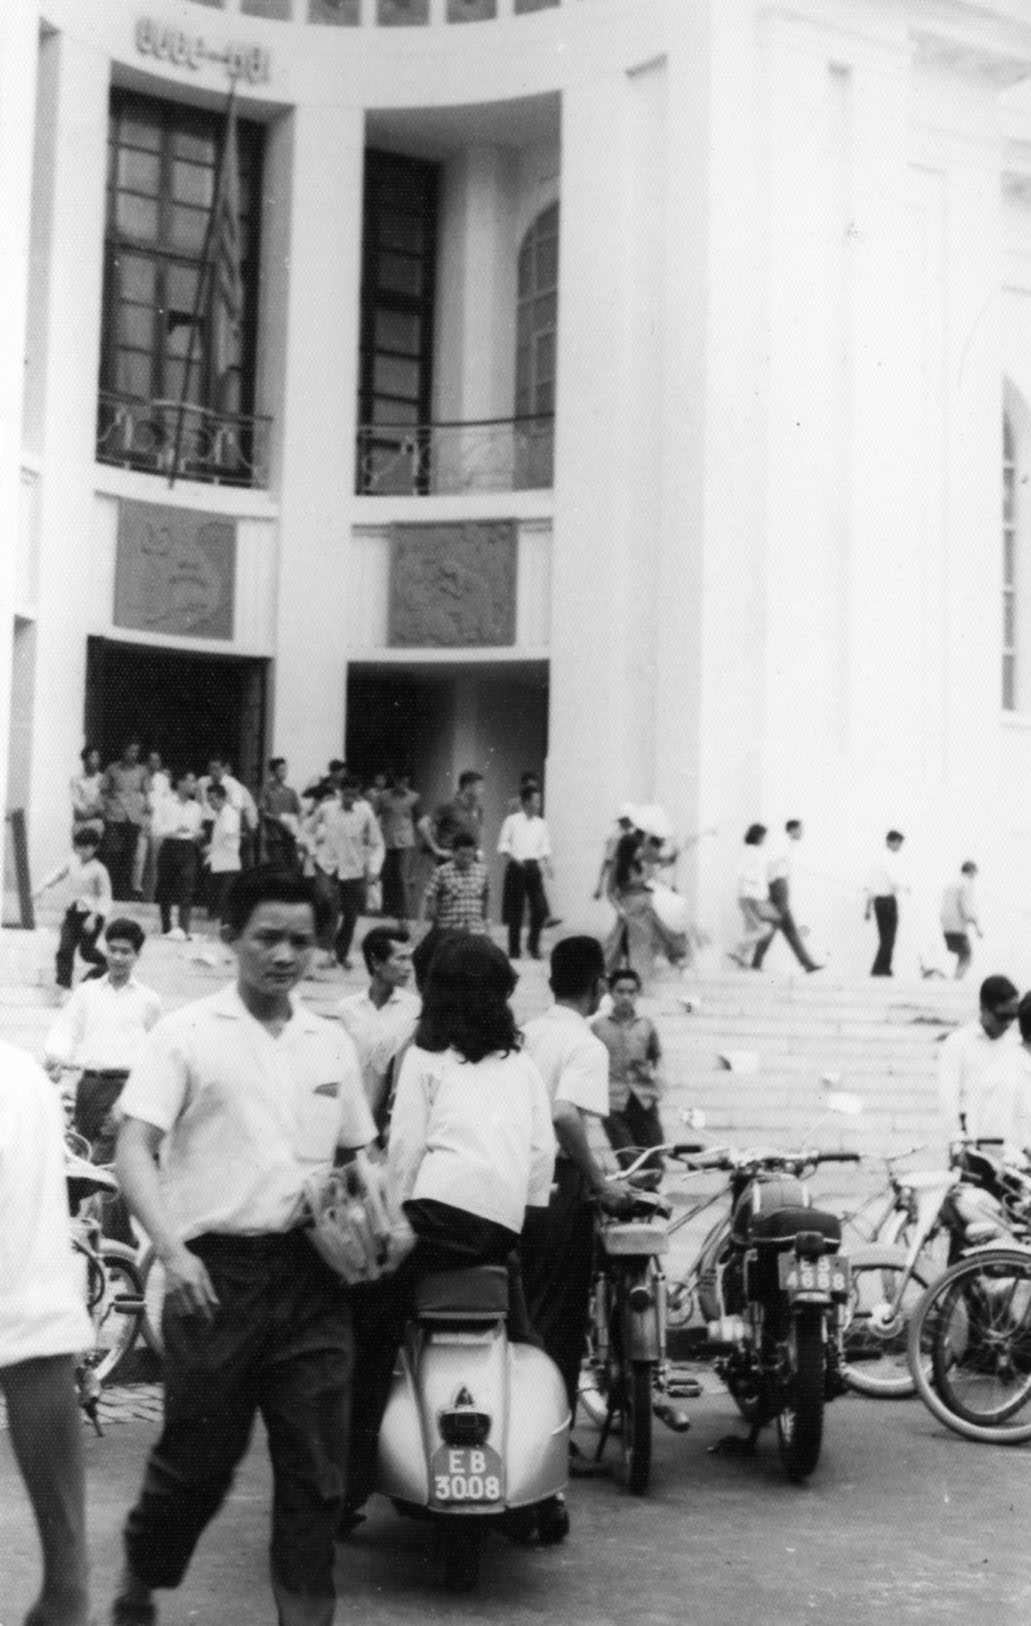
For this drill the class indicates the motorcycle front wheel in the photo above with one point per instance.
(800, 1418)
(970, 1347)
(636, 1425)
(874, 1343)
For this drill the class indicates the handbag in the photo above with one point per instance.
(354, 1222)
(767, 910)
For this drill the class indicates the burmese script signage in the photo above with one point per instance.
(188, 50)
(174, 571)
(452, 585)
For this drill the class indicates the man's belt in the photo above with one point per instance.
(107, 1072)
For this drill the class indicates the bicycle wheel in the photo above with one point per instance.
(874, 1357)
(800, 1419)
(974, 1325)
(115, 1306)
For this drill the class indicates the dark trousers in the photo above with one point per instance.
(523, 888)
(557, 1254)
(448, 1239)
(177, 866)
(118, 853)
(75, 936)
(398, 883)
(352, 904)
(780, 896)
(280, 1344)
(95, 1099)
(632, 1128)
(886, 914)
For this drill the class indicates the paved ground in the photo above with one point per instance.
(902, 1520)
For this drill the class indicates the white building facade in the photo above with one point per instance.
(634, 391)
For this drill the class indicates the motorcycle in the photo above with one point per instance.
(476, 1430)
(772, 1290)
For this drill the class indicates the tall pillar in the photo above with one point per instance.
(18, 54)
(61, 411)
(313, 260)
(477, 283)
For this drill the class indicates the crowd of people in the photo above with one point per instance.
(221, 1111)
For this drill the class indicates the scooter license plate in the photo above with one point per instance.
(825, 1277)
(466, 1473)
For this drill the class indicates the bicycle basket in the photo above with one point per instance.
(354, 1223)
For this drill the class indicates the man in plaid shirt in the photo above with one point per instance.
(456, 897)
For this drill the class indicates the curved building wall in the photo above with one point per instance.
(757, 569)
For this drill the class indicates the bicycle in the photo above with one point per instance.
(112, 1285)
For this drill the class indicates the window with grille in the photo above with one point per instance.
(162, 168)
(536, 348)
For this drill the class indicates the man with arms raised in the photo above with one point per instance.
(246, 1094)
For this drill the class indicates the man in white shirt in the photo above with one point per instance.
(886, 880)
(1002, 1108)
(349, 845)
(558, 1242)
(969, 1054)
(43, 1326)
(383, 1018)
(102, 1030)
(245, 1095)
(778, 874)
(524, 841)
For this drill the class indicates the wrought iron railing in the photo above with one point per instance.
(220, 448)
(488, 454)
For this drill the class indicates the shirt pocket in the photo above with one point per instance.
(318, 1123)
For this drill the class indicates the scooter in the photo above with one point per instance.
(476, 1430)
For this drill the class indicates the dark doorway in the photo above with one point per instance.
(185, 705)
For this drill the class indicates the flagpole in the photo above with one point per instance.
(203, 283)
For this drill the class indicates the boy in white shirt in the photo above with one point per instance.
(178, 830)
(223, 855)
(87, 886)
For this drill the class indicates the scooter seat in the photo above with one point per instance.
(477, 1294)
(783, 1225)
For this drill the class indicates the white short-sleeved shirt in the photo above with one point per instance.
(1002, 1108)
(475, 1135)
(247, 1115)
(103, 1026)
(42, 1308)
(964, 1059)
(573, 1062)
(379, 1033)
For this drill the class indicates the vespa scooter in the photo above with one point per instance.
(476, 1430)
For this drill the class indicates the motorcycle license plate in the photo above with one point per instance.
(825, 1277)
(466, 1473)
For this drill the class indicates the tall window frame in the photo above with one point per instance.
(537, 317)
(1010, 476)
(163, 159)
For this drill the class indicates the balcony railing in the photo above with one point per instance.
(219, 448)
(489, 454)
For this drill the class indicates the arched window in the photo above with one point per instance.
(536, 349)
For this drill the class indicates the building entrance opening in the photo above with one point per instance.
(435, 720)
(187, 706)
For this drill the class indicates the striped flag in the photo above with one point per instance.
(227, 292)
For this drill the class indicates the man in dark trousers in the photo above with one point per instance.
(887, 879)
(246, 1094)
(558, 1242)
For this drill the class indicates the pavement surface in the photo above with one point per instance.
(902, 1521)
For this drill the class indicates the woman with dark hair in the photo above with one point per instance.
(638, 934)
(471, 1148)
(753, 898)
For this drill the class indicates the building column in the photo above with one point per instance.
(476, 302)
(313, 239)
(18, 59)
(61, 411)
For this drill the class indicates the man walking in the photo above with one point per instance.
(887, 879)
(524, 841)
(778, 872)
(124, 792)
(458, 892)
(350, 846)
(245, 1094)
(959, 917)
